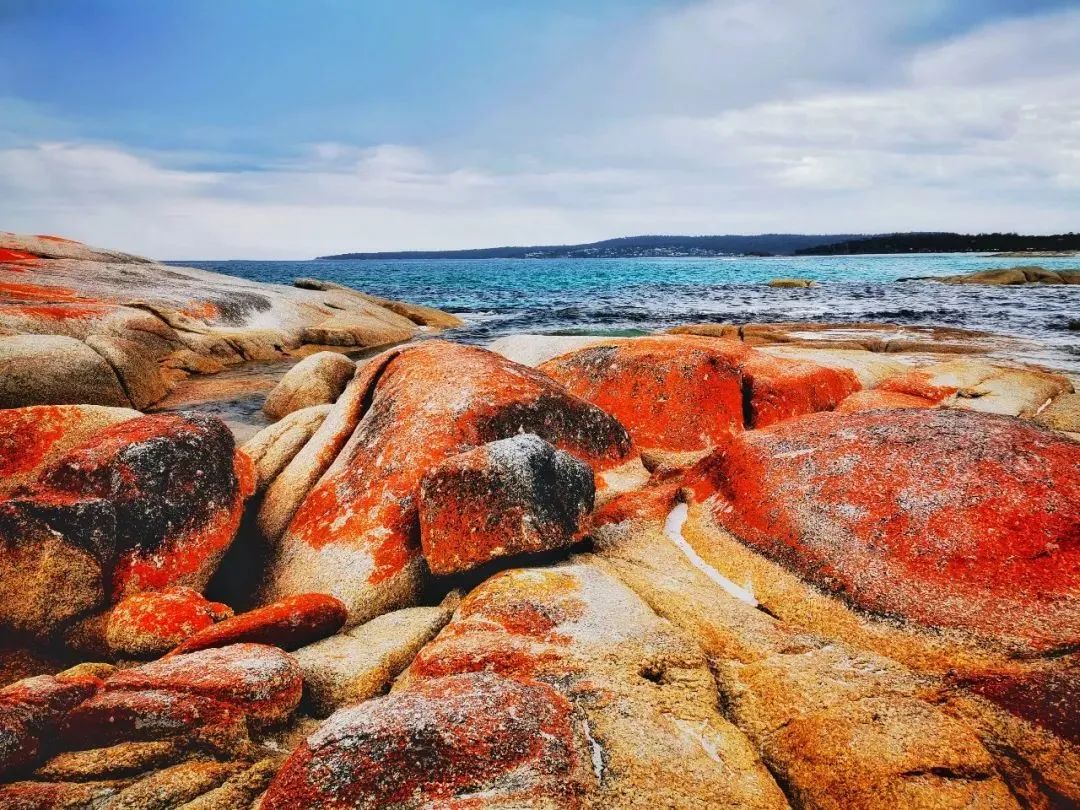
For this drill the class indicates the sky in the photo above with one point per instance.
(281, 129)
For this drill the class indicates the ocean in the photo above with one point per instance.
(631, 296)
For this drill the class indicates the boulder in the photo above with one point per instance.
(532, 350)
(32, 438)
(361, 663)
(288, 624)
(944, 518)
(355, 534)
(507, 497)
(1006, 276)
(682, 396)
(137, 370)
(149, 503)
(1062, 414)
(420, 315)
(791, 283)
(30, 712)
(316, 380)
(444, 743)
(261, 681)
(273, 447)
(55, 370)
(146, 625)
(876, 399)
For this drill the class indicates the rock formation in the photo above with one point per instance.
(80, 325)
(846, 579)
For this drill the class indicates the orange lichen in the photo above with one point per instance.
(50, 238)
(288, 624)
(204, 310)
(20, 256)
(780, 389)
(28, 434)
(917, 384)
(946, 518)
(56, 312)
(167, 616)
(432, 401)
(37, 292)
(875, 399)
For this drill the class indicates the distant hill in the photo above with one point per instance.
(767, 244)
(945, 243)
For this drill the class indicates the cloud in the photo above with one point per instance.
(746, 117)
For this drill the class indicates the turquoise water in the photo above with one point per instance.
(501, 296)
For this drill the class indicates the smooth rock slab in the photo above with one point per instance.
(508, 497)
(316, 380)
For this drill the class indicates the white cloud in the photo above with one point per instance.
(777, 115)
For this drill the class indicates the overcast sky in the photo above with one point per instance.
(276, 129)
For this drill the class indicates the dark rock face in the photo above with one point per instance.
(150, 503)
(30, 713)
(441, 744)
(508, 497)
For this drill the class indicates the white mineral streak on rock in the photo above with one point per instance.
(597, 752)
(673, 529)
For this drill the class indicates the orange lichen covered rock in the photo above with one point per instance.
(945, 518)
(288, 624)
(111, 718)
(472, 740)
(30, 712)
(355, 534)
(262, 681)
(685, 394)
(508, 497)
(673, 393)
(147, 504)
(145, 625)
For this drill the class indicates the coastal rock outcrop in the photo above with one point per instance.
(355, 534)
(1007, 276)
(84, 325)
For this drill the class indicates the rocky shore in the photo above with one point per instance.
(757, 566)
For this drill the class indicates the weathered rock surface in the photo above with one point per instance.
(643, 691)
(288, 624)
(144, 504)
(30, 713)
(146, 625)
(355, 534)
(83, 325)
(1007, 276)
(476, 739)
(273, 447)
(360, 664)
(316, 380)
(511, 496)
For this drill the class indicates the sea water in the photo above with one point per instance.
(629, 296)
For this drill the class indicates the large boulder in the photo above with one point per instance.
(511, 496)
(273, 447)
(949, 519)
(145, 504)
(682, 396)
(355, 535)
(315, 380)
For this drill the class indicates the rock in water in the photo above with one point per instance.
(441, 744)
(508, 497)
(356, 533)
(315, 380)
(146, 504)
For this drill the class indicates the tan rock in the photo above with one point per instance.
(138, 372)
(273, 447)
(113, 762)
(655, 737)
(1063, 414)
(870, 367)
(55, 370)
(316, 380)
(171, 787)
(360, 664)
(532, 350)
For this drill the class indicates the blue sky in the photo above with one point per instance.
(280, 129)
